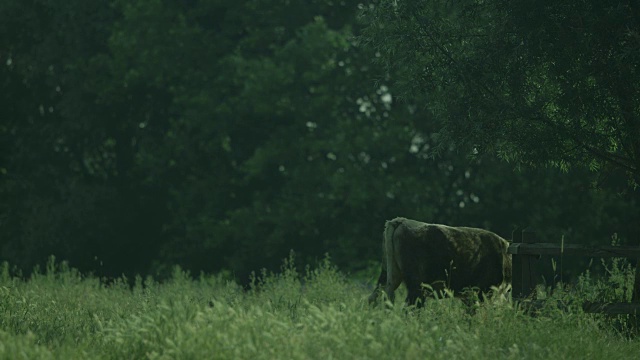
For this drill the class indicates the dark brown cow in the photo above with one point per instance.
(440, 256)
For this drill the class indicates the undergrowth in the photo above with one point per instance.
(317, 314)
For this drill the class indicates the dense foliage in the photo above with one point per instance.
(552, 82)
(219, 134)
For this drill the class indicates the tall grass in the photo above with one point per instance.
(317, 314)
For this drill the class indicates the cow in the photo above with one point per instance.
(440, 256)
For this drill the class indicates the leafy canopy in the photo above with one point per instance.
(535, 83)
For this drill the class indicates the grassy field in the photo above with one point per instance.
(320, 314)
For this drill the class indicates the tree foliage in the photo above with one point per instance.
(219, 135)
(536, 83)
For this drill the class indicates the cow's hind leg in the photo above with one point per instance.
(382, 281)
(394, 279)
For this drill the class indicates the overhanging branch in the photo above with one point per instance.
(534, 114)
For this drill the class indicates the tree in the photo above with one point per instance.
(533, 83)
(219, 135)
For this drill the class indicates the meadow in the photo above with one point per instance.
(318, 313)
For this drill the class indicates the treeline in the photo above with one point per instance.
(218, 135)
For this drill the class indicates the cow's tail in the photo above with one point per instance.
(393, 262)
(389, 260)
(390, 253)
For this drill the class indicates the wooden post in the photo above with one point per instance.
(529, 277)
(635, 295)
(516, 261)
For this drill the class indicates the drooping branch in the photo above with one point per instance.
(622, 162)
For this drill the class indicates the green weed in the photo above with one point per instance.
(318, 314)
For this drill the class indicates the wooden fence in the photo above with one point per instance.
(527, 252)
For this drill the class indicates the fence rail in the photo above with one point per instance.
(574, 250)
(528, 251)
